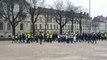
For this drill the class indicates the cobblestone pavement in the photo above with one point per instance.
(54, 51)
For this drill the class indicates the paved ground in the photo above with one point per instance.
(54, 51)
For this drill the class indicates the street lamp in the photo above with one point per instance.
(89, 7)
(90, 16)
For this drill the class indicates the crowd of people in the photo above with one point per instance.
(65, 38)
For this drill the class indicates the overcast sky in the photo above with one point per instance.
(98, 7)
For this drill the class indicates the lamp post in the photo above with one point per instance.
(89, 7)
(90, 16)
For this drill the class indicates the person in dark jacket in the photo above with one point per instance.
(94, 36)
(40, 37)
(23, 38)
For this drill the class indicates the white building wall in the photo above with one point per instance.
(27, 26)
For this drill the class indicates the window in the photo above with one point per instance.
(1, 26)
(47, 19)
(8, 26)
(0, 17)
(53, 20)
(21, 26)
(47, 26)
(57, 26)
(31, 27)
(9, 36)
(40, 18)
(75, 27)
(50, 18)
(54, 26)
(36, 26)
(40, 26)
(68, 26)
(51, 26)
(50, 31)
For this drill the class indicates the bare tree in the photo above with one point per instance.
(11, 10)
(81, 16)
(48, 14)
(88, 22)
(60, 15)
(34, 11)
(72, 15)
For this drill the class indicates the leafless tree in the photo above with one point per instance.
(60, 14)
(11, 10)
(72, 13)
(34, 10)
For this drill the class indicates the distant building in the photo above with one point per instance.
(99, 24)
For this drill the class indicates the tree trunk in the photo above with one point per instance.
(13, 30)
(60, 29)
(46, 23)
(45, 27)
(80, 26)
(33, 26)
(72, 26)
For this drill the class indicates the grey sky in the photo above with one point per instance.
(98, 7)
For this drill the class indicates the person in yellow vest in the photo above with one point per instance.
(16, 38)
(47, 37)
(28, 38)
(105, 36)
(50, 38)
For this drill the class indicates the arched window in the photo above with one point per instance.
(1, 26)
(21, 26)
(8, 26)
(40, 26)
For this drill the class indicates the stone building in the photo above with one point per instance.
(99, 24)
(43, 24)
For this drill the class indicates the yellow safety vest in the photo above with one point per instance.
(16, 36)
(28, 35)
(47, 35)
(105, 35)
(50, 35)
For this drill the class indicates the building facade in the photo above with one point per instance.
(43, 24)
(100, 27)
(99, 24)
